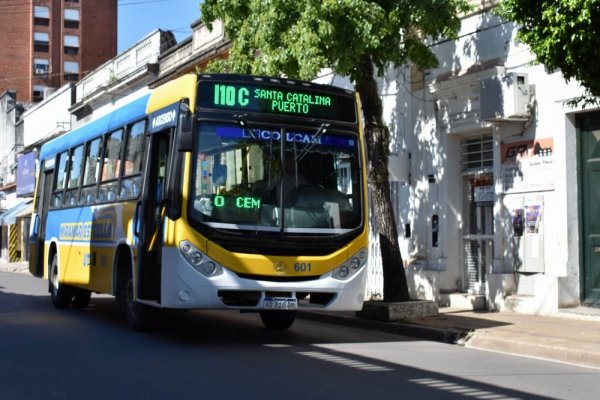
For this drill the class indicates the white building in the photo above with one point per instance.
(493, 177)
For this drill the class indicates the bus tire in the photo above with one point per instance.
(60, 294)
(81, 299)
(139, 316)
(277, 320)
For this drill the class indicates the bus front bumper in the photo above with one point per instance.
(183, 287)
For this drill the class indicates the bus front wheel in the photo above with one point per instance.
(81, 298)
(138, 315)
(60, 294)
(277, 320)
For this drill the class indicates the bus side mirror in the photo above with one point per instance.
(185, 128)
(183, 142)
(33, 231)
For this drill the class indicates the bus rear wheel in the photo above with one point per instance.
(60, 294)
(277, 320)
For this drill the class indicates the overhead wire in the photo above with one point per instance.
(16, 7)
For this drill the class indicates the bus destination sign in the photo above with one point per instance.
(277, 99)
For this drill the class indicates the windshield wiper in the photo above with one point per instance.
(322, 129)
(241, 120)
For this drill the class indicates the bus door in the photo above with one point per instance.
(151, 211)
(37, 238)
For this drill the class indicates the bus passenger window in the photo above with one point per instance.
(135, 149)
(111, 167)
(88, 195)
(132, 166)
(108, 191)
(91, 172)
(74, 175)
(61, 180)
(112, 156)
(130, 187)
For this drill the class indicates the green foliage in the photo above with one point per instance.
(298, 38)
(562, 34)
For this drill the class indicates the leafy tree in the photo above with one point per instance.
(355, 38)
(562, 34)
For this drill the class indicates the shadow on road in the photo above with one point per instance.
(218, 354)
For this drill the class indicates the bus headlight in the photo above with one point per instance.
(351, 266)
(201, 262)
(209, 268)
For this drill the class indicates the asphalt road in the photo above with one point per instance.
(91, 354)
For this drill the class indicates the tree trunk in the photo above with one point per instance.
(395, 287)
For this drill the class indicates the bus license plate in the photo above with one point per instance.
(280, 303)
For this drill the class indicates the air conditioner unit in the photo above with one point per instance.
(505, 97)
(41, 71)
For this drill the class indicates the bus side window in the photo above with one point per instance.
(60, 181)
(111, 167)
(74, 176)
(133, 161)
(91, 172)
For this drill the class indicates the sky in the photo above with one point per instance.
(137, 18)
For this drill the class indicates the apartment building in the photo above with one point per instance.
(48, 43)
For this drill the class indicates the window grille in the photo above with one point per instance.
(477, 154)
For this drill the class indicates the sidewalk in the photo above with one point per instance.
(14, 267)
(573, 335)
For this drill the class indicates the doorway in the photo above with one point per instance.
(478, 231)
(588, 127)
(478, 212)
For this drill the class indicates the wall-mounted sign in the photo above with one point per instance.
(484, 194)
(528, 166)
(26, 174)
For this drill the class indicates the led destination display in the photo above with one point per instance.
(286, 100)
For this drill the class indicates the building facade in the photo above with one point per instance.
(492, 173)
(48, 43)
(493, 177)
(46, 46)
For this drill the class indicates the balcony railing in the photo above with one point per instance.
(131, 61)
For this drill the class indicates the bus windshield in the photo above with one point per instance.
(275, 178)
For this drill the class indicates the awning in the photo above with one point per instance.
(21, 209)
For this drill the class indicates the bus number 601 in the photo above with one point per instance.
(302, 267)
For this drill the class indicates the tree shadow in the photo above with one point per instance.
(218, 354)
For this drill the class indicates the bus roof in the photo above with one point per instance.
(120, 116)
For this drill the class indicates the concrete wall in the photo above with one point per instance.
(50, 117)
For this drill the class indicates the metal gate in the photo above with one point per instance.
(478, 233)
(478, 212)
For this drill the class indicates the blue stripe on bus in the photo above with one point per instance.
(123, 115)
(84, 224)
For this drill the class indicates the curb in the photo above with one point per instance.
(551, 352)
(450, 336)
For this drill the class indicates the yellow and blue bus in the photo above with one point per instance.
(209, 192)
